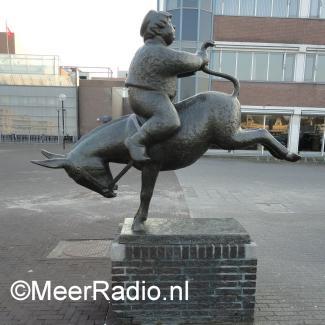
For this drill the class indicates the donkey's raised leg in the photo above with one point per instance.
(244, 138)
(150, 173)
(110, 176)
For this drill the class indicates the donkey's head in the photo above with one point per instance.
(92, 176)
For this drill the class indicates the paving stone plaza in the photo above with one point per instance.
(49, 224)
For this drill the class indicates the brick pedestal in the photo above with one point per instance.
(212, 261)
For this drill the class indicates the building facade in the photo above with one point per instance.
(100, 97)
(276, 48)
(38, 100)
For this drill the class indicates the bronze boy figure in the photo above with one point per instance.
(152, 82)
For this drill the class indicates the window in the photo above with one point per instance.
(203, 82)
(215, 60)
(315, 68)
(176, 20)
(247, 8)
(317, 9)
(277, 125)
(263, 8)
(206, 4)
(190, 3)
(314, 8)
(228, 63)
(244, 63)
(280, 8)
(310, 67)
(218, 7)
(289, 67)
(260, 8)
(260, 66)
(231, 7)
(205, 25)
(173, 4)
(311, 136)
(293, 8)
(187, 88)
(275, 66)
(320, 68)
(190, 23)
(249, 121)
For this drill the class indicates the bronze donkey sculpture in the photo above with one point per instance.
(209, 118)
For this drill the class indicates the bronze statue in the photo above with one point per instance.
(210, 118)
(152, 80)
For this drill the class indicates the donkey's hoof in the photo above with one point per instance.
(138, 226)
(292, 157)
(115, 188)
(109, 194)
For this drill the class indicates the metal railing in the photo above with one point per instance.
(35, 138)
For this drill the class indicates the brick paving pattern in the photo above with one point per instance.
(40, 207)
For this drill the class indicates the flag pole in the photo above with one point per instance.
(8, 51)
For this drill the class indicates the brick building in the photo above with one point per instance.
(7, 43)
(276, 48)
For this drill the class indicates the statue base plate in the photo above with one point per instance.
(204, 271)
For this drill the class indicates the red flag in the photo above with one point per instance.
(10, 34)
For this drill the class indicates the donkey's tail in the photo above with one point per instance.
(235, 81)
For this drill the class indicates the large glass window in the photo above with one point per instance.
(293, 8)
(256, 65)
(247, 8)
(280, 8)
(35, 116)
(176, 20)
(173, 4)
(278, 126)
(244, 67)
(315, 67)
(275, 67)
(218, 7)
(231, 7)
(190, 3)
(228, 64)
(310, 67)
(289, 67)
(203, 82)
(260, 66)
(317, 9)
(320, 70)
(215, 60)
(206, 4)
(263, 8)
(311, 136)
(187, 88)
(190, 21)
(314, 8)
(249, 121)
(205, 25)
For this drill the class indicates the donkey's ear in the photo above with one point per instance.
(52, 163)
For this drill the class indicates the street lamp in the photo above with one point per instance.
(62, 99)
(58, 124)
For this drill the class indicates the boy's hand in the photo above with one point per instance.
(207, 44)
(203, 52)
